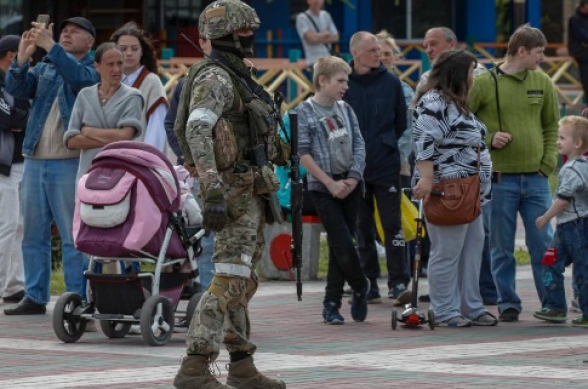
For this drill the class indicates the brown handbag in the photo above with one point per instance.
(458, 203)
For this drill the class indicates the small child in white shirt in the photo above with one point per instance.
(190, 208)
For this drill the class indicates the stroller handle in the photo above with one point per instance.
(198, 235)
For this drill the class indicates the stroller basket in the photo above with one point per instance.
(124, 294)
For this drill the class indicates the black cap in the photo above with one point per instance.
(80, 21)
(9, 43)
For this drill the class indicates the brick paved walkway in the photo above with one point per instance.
(295, 346)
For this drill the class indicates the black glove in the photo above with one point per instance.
(215, 208)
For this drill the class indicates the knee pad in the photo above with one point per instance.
(229, 291)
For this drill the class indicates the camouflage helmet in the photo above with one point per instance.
(202, 26)
(226, 17)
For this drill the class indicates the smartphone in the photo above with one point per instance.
(43, 19)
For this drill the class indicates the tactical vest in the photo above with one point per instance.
(248, 122)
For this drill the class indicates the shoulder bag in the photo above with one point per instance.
(458, 202)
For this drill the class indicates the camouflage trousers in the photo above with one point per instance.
(222, 315)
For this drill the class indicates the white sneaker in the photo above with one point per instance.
(135, 329)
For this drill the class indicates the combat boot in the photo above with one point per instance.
(195, 373)
(244, 375)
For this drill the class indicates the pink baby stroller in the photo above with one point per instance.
(128, 211)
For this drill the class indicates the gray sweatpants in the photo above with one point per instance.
(454, 270)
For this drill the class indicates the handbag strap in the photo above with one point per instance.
(315, 27)
(497, 99)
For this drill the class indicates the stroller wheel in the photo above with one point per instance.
(157, 320)
(394, 319)
(431, 319)
(67, 320)
(192, 304)
(115, 329)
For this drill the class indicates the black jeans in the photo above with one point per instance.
(338, 218)
(388, 201)
(583, 66)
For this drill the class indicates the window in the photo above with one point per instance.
(410, 19)
(174, 13)
(11, 17)
(171, 18)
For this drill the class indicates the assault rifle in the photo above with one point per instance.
(296, 204)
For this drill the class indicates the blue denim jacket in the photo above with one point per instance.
(58, 74)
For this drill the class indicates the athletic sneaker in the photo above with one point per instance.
(575, 306)
(509, 315)
(331, 314)
(456, 321)
(400, 295)
(580, 322)
(552, 315)
(359, 303)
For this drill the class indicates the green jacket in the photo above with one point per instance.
(529, 110)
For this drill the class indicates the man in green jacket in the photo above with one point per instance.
(518, 104)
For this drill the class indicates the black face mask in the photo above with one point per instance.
(227, 45)
(247, 44)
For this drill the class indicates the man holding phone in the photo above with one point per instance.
(48, 186)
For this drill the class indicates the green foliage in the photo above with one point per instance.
(522, 257)
(57, 282)
(55, 248)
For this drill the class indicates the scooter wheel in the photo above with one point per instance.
(431, 319)
(394, 319)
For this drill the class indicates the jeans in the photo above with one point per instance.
(11, 265)
(487, 286)
(529, 195)
(338, 218)
(48, 194)
(571, 243)
(389, 208)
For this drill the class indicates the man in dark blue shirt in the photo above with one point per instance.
(376, 96)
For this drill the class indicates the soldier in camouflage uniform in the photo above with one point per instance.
(216, 139)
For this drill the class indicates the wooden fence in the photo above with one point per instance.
(290, 78)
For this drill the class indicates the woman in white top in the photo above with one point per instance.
(141, 71)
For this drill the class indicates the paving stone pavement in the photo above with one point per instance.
(294, 345)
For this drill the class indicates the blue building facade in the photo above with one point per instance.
(407, 20)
